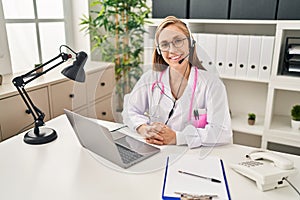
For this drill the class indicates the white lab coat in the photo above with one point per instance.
(210, 97)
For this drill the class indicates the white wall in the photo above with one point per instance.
(81, 40)
(4, 53)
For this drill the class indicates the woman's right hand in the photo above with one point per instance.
(151, 133)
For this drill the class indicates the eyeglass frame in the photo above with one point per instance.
(182, 39)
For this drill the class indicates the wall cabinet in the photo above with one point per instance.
(271, 99)
(67, 94)
(102, 109)
(53, 93)
(100, 86)
(14, 114)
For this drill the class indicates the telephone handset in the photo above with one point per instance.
(278, 161)
(267, 169)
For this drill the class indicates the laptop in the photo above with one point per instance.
(122, 150)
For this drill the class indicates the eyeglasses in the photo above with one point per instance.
(165, 46)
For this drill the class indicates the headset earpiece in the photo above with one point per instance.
(193, 43)
(158, 50)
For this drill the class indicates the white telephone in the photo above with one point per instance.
(267, 169)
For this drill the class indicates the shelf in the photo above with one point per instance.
(286, 83)
(243, 79)
(283, 101)
(157, 21)
(225, 26)
(240, 124)
(282, 124)
(288, 24)
(281, 130)
(271, 100)
(232, 21)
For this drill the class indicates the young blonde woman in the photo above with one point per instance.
(178, 102)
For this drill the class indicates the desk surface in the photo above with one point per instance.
(64, 170)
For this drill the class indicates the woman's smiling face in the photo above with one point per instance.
(169, 38)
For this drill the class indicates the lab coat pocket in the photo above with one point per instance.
(199, 119)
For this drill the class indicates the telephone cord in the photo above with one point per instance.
(285, 178)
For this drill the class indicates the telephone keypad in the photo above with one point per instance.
(251, 163)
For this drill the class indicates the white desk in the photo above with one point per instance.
(64, 170)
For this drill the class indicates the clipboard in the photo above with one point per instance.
(209, 167)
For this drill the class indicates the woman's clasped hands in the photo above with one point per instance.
(157, 133)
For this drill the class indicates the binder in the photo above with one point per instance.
(266, 57)
(207, 47)
(242, 56)
(254, 57)
(221, 53)
(208, 9)
(162, 9)
(231, 53)
(209, 166)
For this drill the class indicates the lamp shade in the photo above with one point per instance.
(76, 71)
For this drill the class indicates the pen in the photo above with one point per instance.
(118, 128)
(187, 196)
(204, 177)
(196, 114)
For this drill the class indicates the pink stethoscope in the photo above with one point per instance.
(201, 121)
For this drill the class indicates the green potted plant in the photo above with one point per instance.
(295, 114)
(116, 28)
(251, 118)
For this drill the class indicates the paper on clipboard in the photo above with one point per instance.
(209, 167)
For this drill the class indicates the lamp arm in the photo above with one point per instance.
(64, 57)
(20, 84)
(36, 113)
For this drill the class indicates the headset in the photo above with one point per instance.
(191, 42)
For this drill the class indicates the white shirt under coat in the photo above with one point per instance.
(210, 97)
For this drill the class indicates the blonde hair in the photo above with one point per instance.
(159, 64)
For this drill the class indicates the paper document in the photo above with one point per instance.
(294, 68)
(294, 49)
(295, 59)
(202, 177)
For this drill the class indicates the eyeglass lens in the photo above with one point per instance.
(165, 46)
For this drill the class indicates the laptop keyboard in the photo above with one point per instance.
(128, 155)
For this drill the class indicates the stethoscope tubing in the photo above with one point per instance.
(158, 83)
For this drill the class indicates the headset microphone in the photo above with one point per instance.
(180, 61)
(191, 49)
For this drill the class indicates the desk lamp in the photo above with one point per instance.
(43, 135)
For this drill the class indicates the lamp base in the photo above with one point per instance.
(46, 135)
